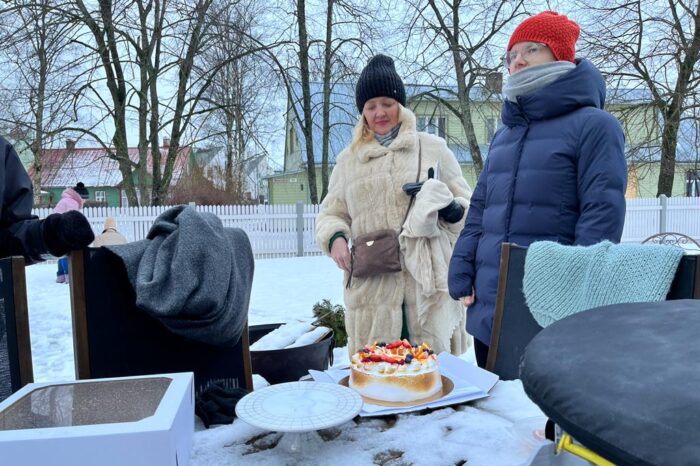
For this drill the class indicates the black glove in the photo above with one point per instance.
(412, 188)
(217, 404)
(66, 232)
(452, 213)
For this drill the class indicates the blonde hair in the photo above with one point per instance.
(365, 135)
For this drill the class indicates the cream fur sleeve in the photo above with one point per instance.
(334, 216)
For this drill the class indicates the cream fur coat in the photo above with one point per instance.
(365, 195)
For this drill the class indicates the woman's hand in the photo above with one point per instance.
(340, 253)
(467, 300)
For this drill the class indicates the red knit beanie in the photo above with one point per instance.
(557, 31)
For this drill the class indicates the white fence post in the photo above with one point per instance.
(300, 229)
(663, 217)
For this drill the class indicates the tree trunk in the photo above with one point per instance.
(240, 137)
(143, 96)
(180, 120)
(466, 116)
(307, 126)
(669, 142)
(327, 66)
(108, 51)
(38, 144)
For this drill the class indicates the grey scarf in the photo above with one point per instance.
(389, 137)
(193, 275)
(534, 78)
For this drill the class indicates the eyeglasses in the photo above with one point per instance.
(526, 53)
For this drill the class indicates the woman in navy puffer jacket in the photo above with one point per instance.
(555, 169)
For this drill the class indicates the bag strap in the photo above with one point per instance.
(410, 204)
(413, 196)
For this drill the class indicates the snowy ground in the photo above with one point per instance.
(493, 432)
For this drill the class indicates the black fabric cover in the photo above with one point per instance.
(623, 380)
(125, 341)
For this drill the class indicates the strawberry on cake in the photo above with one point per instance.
(395, 372)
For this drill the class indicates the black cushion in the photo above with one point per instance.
(623, 380)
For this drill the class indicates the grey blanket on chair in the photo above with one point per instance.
(192, 274)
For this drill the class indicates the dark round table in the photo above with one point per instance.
(623, 380)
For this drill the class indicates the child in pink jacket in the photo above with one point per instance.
(71, 199)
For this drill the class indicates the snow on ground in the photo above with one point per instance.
(492, 432)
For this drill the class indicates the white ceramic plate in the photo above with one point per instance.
(299, 406)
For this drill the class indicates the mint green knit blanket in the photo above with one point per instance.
(563, 280)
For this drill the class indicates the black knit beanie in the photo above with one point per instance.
(82, 190)
(379, 79)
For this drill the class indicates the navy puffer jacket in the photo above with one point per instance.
(555, 171)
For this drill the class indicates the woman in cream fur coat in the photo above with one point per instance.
(365, 194)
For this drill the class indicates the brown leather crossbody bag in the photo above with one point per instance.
(379, 252)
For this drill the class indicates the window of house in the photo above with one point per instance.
(491, 127)
(431, 124)
(100, 196)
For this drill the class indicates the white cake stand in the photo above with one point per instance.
(299, 409)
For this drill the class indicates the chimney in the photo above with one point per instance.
(166, 142)
(70, 144)
(494, 82)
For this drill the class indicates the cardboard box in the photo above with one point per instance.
(134, 421)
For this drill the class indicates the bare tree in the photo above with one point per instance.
(346, 35)
(41, 74)
(149, 54)
(462, 35)
(306, 121)
(107, 45)
(328, 54)
(653, 46)
(237, 106)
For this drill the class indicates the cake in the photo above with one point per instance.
(395, 372)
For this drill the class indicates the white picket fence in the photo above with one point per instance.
(648, 216)
(288, 230)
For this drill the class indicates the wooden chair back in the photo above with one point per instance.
(15, 346)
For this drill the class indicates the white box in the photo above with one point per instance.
(134, 421)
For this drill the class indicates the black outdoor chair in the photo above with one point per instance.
(113, 338)
(15, 348)
(514, 326)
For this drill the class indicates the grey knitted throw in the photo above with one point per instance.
(192, 274)
(563, 280)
